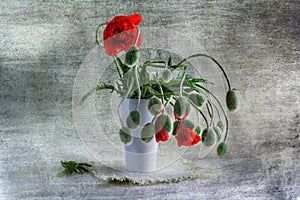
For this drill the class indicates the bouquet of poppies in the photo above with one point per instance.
(172, 86)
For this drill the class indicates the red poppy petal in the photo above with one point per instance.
(136, 18)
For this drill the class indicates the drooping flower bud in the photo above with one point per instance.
(221, 125)
(164, 121)
(198, 99)
(182, 108)
(222, 149)
(132, 56)
(166, 75)
(147, 132)
(208, 137)
(133, 119)
(231, 100)
(218, 132)
(125, 135)
(155, 106)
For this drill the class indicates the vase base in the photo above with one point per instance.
(141, 162)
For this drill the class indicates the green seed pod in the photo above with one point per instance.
(155, 106)
(125, 135)
(147, 132)
(198, 130)
(221, 125)
(182, 107)
(188, 123)
(222, 149)
(198, 99)
(133, 119)
(231, 100)
(132, 56)
(208, 137)
(218, 132)
(165, 121)
(166, 75)
(175, 128)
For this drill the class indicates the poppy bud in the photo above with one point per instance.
(133, 119)
(147, 132)
(218, 132)
(198, 130)
(175, 128)
(166, 75)
(208, 137)
(155, 106)
(125, 135)
(132, 56)
(182, 107)
(221, 125)
(222, 149)
(165, 122)
(188, 123)
(197, 99)
(231, 100)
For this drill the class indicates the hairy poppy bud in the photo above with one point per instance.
(125, 135)
(155, 106)
(132, 56)
(166, 75)
(231, 100)
(197, 99)
(218, 132)
(165, 123)
(221, 125)
(188, 123)
(222, 149)
(133, 119)
(208, 136)
(147, 132)
(182, 108)
(198, 130)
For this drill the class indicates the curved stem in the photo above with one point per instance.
(200, 113)
(125, 97)
(210, 57)
(137, 37)
(181, 83)
(212, 113)
(118, 67)
(138, 85)
(220, 105)
(97, 33)
(162, 92)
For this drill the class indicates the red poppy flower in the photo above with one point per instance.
(120, 34)
(186, 136)
(161, 134)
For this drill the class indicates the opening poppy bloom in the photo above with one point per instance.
(161, 134)
(186, 136)
(120, 34)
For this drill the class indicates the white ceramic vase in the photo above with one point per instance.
(139, 156)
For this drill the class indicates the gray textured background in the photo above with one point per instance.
(42, 44)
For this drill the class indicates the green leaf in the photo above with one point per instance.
(104, 86)
(170, 62)
(72, 167)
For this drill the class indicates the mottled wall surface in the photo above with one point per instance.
(43, 43)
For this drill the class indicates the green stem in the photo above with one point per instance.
(181, 83)
(118, 67)
(220, 105)
(200, 113)
(97, 33)
(210, 57)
